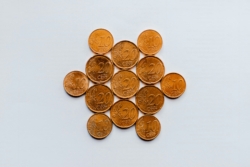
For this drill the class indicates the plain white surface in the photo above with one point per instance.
(205, 41)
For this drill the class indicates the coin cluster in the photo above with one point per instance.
(124, 84)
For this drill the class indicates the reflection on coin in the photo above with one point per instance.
(99, 126)
(150, 70)
(101, 41)
(149, 99)
(99, 98)
(125, 84)
(148, 127)
(173, 85)
(149, 42)
(76, 83)
(124, 113)
(99, 69)
(125, 55)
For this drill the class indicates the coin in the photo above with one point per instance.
(124, 113)
(148, 127)
(99, 126)
(125, 55)
(101, 41)
(99, 69)
(149, 99)
(99, 98)
(173, 85)
(150, 70)
(149, 42)
(125, 84)
(76, 83)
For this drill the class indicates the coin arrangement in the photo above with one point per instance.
(125, 84)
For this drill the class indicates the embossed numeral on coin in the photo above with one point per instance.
(152, 99)
(104, 41)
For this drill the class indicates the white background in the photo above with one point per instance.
(207, 41)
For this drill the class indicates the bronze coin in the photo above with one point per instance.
(99, 126)
(101, 41)
(125, 84)
(149, 42)
(124, 113)
(149, 99)
(148, 127)
(150, 70)
(125, 55)
(76, 83)
(99, 98)
(99, 69)
(173, 85)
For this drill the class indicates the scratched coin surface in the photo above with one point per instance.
(149, 99)
(150, 70)
(99, 69)
(99, 126)
(125, 55)
(99, 98)
(101, 41)
(76, 83)
(125, 84)
(149, 42)
(124, 113)
(148, 127)
(173, 85)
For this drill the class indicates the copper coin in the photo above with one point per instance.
(150, 70)
(99, 98)
(148, 127)
(101, 41)
(149, 42)
(125, 55)
(76, 83)
(99, 69)
(124, 113)
(125, 84)
(149, 99)
(173, 85)
(99, 126)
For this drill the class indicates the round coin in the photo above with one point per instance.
(99, 69)
(99, 98)
(148, 127)
(125, 84)
(173, 85)
(101, 41)
(124, 113)
(149, 99)
(99, 126)
(76, 83)
(149, 42)
(150, 70)
(125, 55)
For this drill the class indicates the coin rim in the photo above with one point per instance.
(101, 53)
(110, 123)
(154, 53)
(65, 86)
(173, 97)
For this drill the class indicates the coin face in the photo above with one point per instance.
(76, 83)
(148, 127)
(99, 98)
(101, 41)
(149, 42)
(99, 69)
(149, 99)
(99, 126)
(173, 85)
(124, 113)
(150, 70)
(125, 84)
(125, 55)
